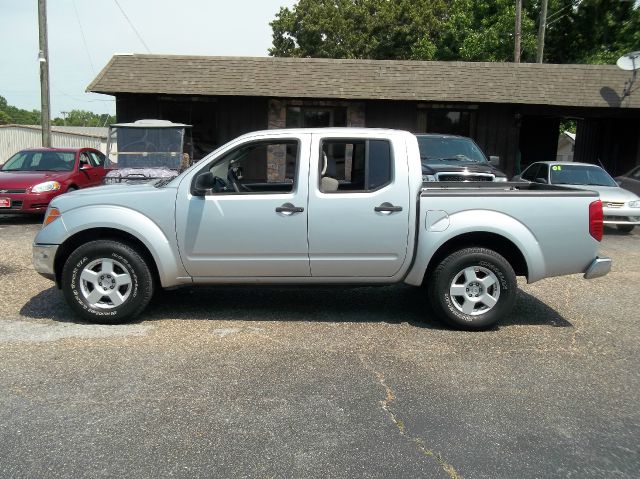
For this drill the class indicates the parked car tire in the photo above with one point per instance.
(625, 228)
(472, 288)
(107, 281)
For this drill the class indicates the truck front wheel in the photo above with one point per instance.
(107, 281)
(472, 288)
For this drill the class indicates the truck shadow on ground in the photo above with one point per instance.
(388, 304)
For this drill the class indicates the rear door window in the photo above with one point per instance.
(355, 165)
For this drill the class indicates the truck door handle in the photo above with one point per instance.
(387, 207)
(289, 209)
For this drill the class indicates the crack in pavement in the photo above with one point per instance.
(420, 443)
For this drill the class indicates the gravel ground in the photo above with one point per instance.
(274, 382)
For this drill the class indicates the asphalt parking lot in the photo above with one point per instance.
(251, 382)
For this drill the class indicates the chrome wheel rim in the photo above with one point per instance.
(105, 283)
(475, 290)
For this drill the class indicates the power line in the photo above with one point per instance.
(132, 26)
(84, 40)
(57, 90)
(559, 10)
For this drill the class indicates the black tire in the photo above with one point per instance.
(625, 228)
(87, 273)
(489, 268)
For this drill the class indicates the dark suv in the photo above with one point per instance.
(455, 158)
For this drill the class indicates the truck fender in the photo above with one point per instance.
(430, 239)
(170, 269)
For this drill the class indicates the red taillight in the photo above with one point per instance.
(595, 220)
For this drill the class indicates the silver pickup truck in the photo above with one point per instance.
(317, 206)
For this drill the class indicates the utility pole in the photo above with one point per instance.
(516, 50)
(43, 58)
(541, 31)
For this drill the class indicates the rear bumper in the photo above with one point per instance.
(598, 267)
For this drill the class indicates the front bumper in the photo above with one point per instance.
(35, 203)
(598, 267)
(43, 257)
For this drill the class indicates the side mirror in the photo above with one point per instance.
(541, 180)
(494, 161)
(85, 166)
(203, 182)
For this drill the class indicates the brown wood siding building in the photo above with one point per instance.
(511, 110)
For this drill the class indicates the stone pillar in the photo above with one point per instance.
(277, 114)
(355, 115)
(276, 155)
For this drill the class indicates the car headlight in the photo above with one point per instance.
(429, 178)
(634, 204)
(500, 178)
(46, 186)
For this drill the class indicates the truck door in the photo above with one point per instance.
(253, 223)
(359, 206)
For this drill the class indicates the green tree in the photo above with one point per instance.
(591, 31)
(84, 118)
(18, 115)
(378, 29)
(5, 119)
(579, 31)
(485, 31)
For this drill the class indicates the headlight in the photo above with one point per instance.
(500, 178)
(429, 178)
(634, 204)
(46, 186)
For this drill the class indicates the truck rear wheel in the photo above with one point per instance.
(472, 288)
(107, 281)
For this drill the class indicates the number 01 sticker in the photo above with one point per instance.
(556, 167)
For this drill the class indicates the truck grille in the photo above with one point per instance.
(463, 177)
(612, 204)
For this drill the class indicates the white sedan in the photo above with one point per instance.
(620, 207)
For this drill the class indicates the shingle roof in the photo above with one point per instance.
(527, 83)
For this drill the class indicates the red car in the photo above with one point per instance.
(30, 179)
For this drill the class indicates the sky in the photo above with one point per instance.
(84, 34)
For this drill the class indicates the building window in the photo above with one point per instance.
(315, 117)
(453, 122)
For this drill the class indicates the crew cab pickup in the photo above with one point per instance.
(317, 206)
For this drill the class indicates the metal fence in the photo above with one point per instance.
(14, 138)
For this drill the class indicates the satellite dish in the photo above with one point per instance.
(629, 61)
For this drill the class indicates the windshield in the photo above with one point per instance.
(41, 161)
(145, 148)
(580, 175)
(435, 149)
